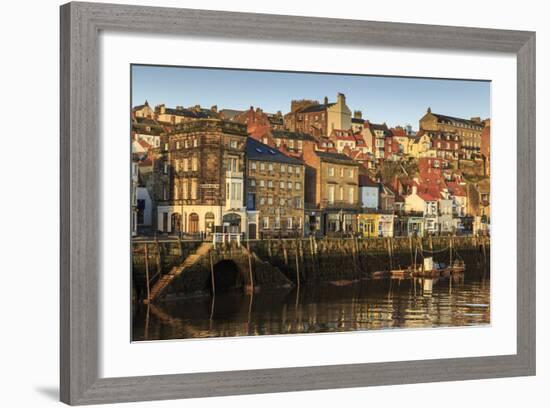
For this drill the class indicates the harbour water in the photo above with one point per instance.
(462, 300)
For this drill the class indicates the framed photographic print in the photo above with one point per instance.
(260, 203)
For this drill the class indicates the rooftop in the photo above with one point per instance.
(287, 134)
(334, 157)
(256, 150)
(452, 119)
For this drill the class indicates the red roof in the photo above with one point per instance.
(339, 134)
(456, 189)
(398, 132)
(427, 197)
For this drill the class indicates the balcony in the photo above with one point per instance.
(234, 174)
(339, 204)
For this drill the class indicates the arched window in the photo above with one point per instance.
(193, 223)
(209, 223)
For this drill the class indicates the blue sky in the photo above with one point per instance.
(394, 100)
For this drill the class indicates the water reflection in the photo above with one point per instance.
(365, 305)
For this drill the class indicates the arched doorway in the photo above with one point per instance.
(231, 223)
(209, 223)
(175, 221)
(193, 223)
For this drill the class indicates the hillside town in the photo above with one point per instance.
(321, 169)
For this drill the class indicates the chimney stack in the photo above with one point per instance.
(326, 100)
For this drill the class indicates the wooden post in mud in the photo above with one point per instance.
(181, 247)
(388, 242)
(147, 273)
(297, 269)
(250, 277)
(158, 256)
(213, 283)
(285, 254)
(312, 252)
(354, 257)
(411, 249)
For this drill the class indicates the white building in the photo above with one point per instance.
(368, 193)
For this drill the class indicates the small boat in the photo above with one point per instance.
(431, 269)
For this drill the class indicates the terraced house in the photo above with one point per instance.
(467, 130)
(332, 192)
(201, 179)
(274, 191)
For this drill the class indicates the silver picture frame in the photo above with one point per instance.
(81, 24)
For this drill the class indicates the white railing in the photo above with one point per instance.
(233, 174)
(222, 238)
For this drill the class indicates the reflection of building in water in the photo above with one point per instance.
(379, 304)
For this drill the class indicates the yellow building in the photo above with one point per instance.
(375, 225)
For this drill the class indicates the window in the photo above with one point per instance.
(262, 200)
(297, 171)
(233, 164)
(195, 142)
(185, 193)
(262, 166)
(194, 188)
(165, 146)
(290, 169)
(186, 143)
(298, 202)
(350, 173)
(194, 164)
(177, 145)
(289, 223)
(165, 168)
(185, 164)
(176, 191)
(270, 166)
(277, 222)
(270, 183)
(282, 184)
(298, 186)
(351, 194)
(177, 165)
(283, 168)
(282, 202)
(233, 144)
(331, 171)
(252, 183)
(253, 165)
(341, 193)
(164, 193)
(265, 223)
(341, 172)
(270, 200)
(331, 194)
